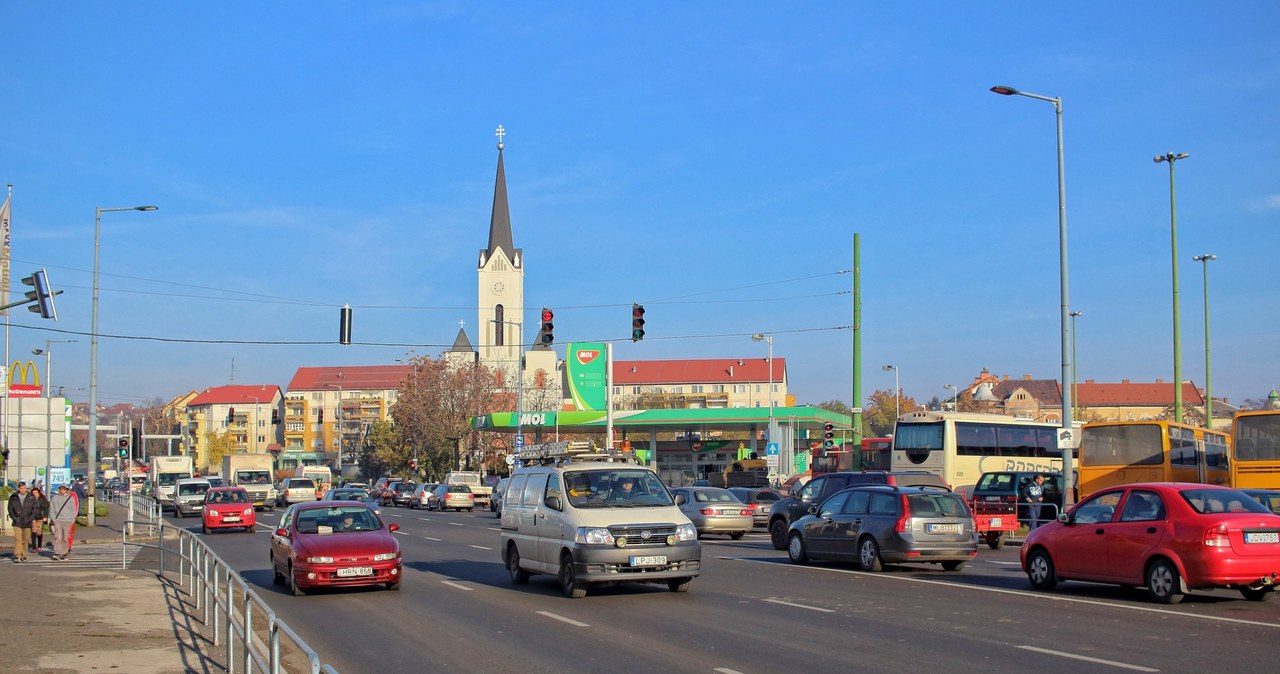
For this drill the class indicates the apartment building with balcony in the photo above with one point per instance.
(247, 416)
(328, 410)
(713, 383)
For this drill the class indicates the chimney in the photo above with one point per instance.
(1159, 381)
(1026, 377)
(1004, 377)
(730, 371)
(1088, 381)
(1126, 381)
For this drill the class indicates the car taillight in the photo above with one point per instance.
(745, 512)
(1217, 537)
(708, 511)
(904, 522)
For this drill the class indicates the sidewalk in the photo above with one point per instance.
(86, 614)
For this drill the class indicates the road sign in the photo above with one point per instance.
(518, 442)
(771, 461)
(771, 449)
(856, 410)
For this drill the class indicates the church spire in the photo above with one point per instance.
(500, 221)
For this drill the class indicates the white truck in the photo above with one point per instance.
(475, 481)
(164, 473)
(321, 475)
(254, 473)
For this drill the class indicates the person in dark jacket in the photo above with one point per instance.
(22, 507)
(38, 518)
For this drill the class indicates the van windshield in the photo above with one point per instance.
(622, 488)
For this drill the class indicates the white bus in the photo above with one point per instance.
(960, 446)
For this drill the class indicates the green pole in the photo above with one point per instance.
(857, 351)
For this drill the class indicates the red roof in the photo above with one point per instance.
(706, 371)
(1126, 393)
(350, 377)
(236, 394)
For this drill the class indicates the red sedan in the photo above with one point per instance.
(228, 508)
(1170, 537)
(334, 544)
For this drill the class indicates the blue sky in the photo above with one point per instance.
(709, 160)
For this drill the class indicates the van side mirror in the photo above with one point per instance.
(553, 502)
(681, 500)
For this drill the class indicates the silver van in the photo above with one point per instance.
(593, 517)
(188, 496)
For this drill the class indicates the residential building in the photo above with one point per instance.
(700, 383)
(328, 409)
(247, 416)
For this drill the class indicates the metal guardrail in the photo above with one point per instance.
(239, 618)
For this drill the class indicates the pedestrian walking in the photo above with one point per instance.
(63, 509)
(79, 489)
(21, 511)
(38, 518)
(1033, 495)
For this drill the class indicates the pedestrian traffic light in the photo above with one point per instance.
(124, 448)
(829, 435)
(546, 334)
(637, 322)
(344, 325)
(41, 294)
(413, 464)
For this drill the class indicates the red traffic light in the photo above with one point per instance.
(547, 315)
(547, 335)
(124, 443)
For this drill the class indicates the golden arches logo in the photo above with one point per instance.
(19, 374)
(29, 369)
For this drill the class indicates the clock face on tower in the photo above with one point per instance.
(497, 287)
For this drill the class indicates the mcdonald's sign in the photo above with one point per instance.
(19, 374)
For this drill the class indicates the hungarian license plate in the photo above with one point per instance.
(355, 571)
(648, 560)
(1261, 537)
(995, 521)
(231, 518)
(942, 528)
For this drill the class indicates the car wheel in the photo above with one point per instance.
(277, 578)
(869, 555)
(569, 579)
(518, 575)
(737, 534)
(795, 549)
(1260, 594)
(1163, 582)
(679, 584)
(250, 529)
(778, 534)
(293, 583)
(995, 540)
(1040, 570)
(207, 530)
(953, 565)
(393, 586)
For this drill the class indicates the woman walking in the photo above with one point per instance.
(41, 515)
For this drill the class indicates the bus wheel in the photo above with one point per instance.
(995, 540)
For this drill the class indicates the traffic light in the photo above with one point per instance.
(231, 414)
(344, 325)
(124, 448)
(546, 334)
(41, 295)
(829, 436)
(275, 416)
(413, 465)
(637, 322)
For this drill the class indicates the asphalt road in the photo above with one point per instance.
(750, 611)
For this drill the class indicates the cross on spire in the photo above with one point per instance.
(461, 324)
(500, 133)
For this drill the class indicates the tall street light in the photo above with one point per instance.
(1173, 236)
(761, 337)
(47, 352)
(1208, 387)
(955, 396)
(1068, 431)
(1075, 391)
(897, 412)
(92, 450)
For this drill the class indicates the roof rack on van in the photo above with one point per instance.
(567, 452)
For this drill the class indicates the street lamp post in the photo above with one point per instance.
(92, 449)
(761, 337)
(955, 396)
(1170, 157)
(1075, 392)
(47, 351)
(1208, 387)
(1068, 432)
(897, 411)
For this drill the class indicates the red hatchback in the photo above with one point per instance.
(334, 544)
(1170, 537)
(228, 508)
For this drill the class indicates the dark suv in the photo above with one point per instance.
(1006, 488)
(795, 506)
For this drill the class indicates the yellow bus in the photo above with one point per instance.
(1124, 452)
(1255, 441)
(960, 446)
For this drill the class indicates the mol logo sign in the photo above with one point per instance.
(536, 418)
(587, 355)
(24, 380)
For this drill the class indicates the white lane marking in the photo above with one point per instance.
(455, 585)
(792, 604)
(1022, 593)
(432, 539)
(395, 515)
(1086, 658)
(561, 618)
(726, 670)
(402, 533)
(996, 561)
(425, 519)
(481, 547)
(457, 524)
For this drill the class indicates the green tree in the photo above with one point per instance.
(217, 445)
(837, 406)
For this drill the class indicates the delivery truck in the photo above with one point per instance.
(253, 472)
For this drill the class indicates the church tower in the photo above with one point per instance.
(501, 286)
